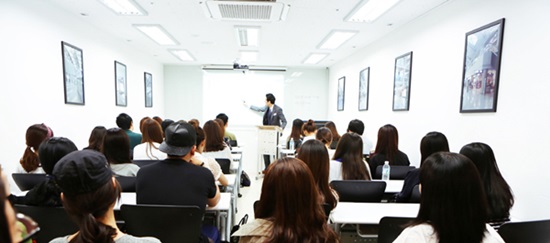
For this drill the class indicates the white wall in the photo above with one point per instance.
(518, 132)
(32, 77)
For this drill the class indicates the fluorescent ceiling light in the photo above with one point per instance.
(335, 39)
(370, 10)
(124, 7)
(315, 58)
(182, 55)
(248, 56)
(157, 33)
(247, 35)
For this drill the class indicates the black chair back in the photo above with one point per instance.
(26, 181)
(397, 172)
(529, 231)
(144, 162)
(168, 223)
(359, 190)
(127, 183)
(390, 228)
(225, 164)
(326, 208)
(53, 221)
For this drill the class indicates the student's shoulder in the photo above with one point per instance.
(133, 239)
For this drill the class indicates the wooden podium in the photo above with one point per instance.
(268, 149)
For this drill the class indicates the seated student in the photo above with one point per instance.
(175, 180)
(34, 136)
(309, 129)
(152, 136)
(47, 193)
(124, 122)
(348, 163)
(215, 146)
(227, 135)
(387, 149)
(357, 126)
(96, 138)
(296, 134)
(289, 209)
(325, 136)
(498, 192)
(431, 143)
(453, 206)
(89, 194)
(314, 154)
(335, 135)
(115, 148)
(210, 163)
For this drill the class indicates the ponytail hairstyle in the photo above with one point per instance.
(34, 136)
(349, 151)
(86, 208)
(309, 127)
(324, 135)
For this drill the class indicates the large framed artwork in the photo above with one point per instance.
(73, 74)
(148, 79)
(402, 82)
(481, 73)
(364, 76)
(121, 95)
(341, 93)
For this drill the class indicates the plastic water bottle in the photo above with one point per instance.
(291, 144)
(386, 171)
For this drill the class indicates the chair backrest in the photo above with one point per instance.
(415, 195)
(53, 221)
(127, 183)
(397, 172)
(144, 162)
(233, 143)
(326, 208)
(390, 228)
(168, 223)
(26, 181)
(359, 190)
(225, 164)
(529, 231)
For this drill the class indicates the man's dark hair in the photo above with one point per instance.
(223, 117)
(356, 126)
(124, 121)
(270, 97)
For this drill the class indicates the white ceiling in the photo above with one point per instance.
(284, 43)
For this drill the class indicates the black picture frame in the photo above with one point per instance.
(341, 93)
(364, 78)
(402, 82)
(121, 91)
(481, 69)
(73, 74)
(148, 85)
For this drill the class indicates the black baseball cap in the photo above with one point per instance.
(81, 172)
(180, 137)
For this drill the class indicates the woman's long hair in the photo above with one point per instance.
(335, 135)
(314, 153)
(387, 143)
(350, 152)
(86, 208)
(431, 143)
(214, 137)
(452, 199)
(498, 192)
(34, 136)
(151, 133)
(116, 146)
(291, 201)
(324, 135)
(296, 132)
(96, 138)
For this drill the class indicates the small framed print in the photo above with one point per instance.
(364, 77)
(73, 74)
(121, 95)
(402, 82)
(148, 79)
(341, 93)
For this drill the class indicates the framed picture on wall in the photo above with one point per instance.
(402, 82)
(148, 79)
(341, 93)
(73, 74)
(121, 94)
(481, 73)
(364, 76)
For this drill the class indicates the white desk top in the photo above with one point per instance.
(393, 186)
(371, 213)
(230, 179)
(236, 150)
(223, 205)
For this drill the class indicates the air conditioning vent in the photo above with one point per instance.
(246, 10)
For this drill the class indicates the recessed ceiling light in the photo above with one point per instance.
(315, 58)
(247, 35)
(369, 10)
(335, 39)
(124, 7)
(157, 34)
(182, 54)
(248, 56)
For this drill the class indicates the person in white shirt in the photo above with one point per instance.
(116, 145)
(309, 129)
(358, 127)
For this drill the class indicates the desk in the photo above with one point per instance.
(224, 209)
(370, 213)
(393, 186)
(287, 153)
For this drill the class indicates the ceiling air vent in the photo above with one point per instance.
(246, 10)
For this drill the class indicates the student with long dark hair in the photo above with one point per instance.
(335, 135)
(207, 162)
(314, 154)
(34, 136)
(289, 209)
(347, 162)
(453, 208)
(387, 149)
(215, 145)
(116, 148)
(151, 138)
(498, 192)
(431, 143)
(296, 134)
(96, 138)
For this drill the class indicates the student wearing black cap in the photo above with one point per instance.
(89, 194)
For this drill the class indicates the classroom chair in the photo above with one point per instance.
(359, 190)
(53, 221)
(27, 181)
(528, 231)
